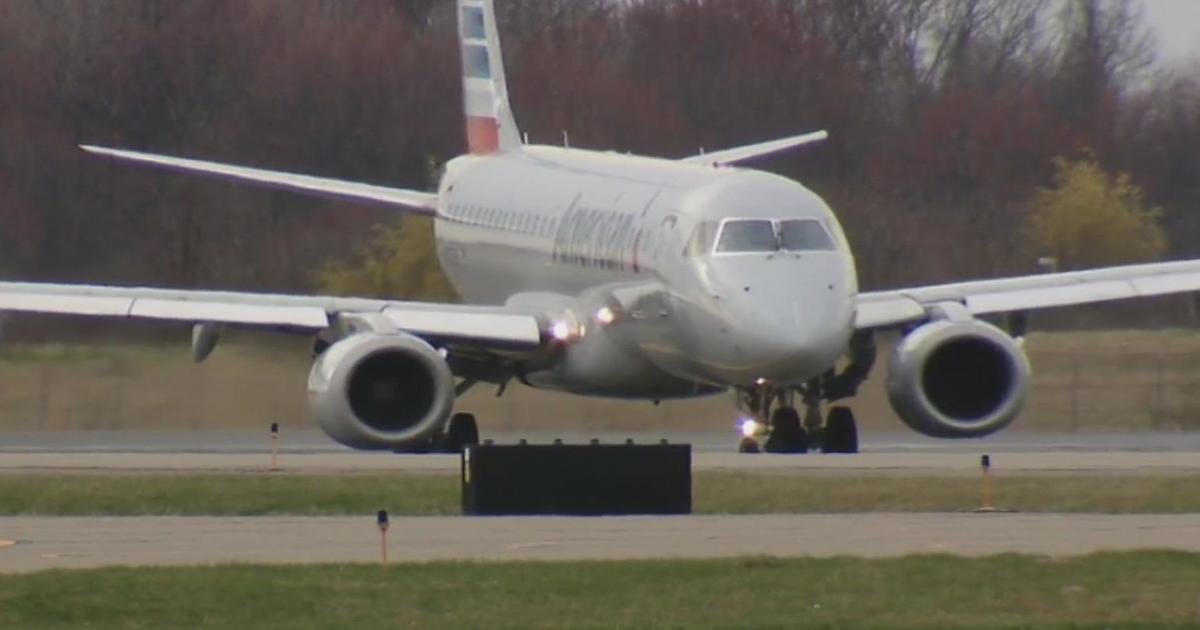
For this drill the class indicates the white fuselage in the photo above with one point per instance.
(573, 234)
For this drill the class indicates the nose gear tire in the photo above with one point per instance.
(787, 436)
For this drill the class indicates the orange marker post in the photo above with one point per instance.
(985, 462)
(274, 446)
(381, 519)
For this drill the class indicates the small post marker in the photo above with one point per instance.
(4, 544)
(274, 447)
(382, 520)
(985, 463)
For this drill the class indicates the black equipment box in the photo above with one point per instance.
(577, 480)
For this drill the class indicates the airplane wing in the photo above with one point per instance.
(889, 308)
(412, 200)
(473, 326)
(750, 152)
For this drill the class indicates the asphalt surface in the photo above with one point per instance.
(313, 441)
(39, 543)
(936, 464)
(68, 543)
(311, 453)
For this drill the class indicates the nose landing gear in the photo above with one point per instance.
(778, 428)
(776, 423)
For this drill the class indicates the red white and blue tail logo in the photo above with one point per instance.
(490, 124)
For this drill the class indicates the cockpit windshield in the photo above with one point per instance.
(739, 237)
(747, 236)
(804, 235)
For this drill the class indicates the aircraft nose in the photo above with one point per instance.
(790, 334)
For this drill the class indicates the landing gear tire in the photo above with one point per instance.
(787, 435)
(462, 431)
(749, 446)
(841, 432)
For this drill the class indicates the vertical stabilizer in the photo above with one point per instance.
(490, 124)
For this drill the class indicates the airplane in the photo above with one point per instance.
(613, 275)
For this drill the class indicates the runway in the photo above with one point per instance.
(310, 452)
(929, 464)
(71, 543)
(311, 440)
(48, 543)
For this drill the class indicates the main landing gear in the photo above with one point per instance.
(462, 431)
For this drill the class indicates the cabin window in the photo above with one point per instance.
(473, 26)
(476, 63)
(804, 235)
(748, 236)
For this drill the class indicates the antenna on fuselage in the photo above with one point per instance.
(526, 136)
(566, 139)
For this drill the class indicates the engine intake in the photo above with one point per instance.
(952, 379)
(372, 391)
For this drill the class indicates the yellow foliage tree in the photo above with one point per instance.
(1089, 218)
(399, 262)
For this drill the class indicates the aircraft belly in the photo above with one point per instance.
(604, 364)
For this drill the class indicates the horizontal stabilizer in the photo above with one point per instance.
(414, 201)
(753, 151)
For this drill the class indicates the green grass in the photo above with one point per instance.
(232, 495)
(713, 493)
(1125, 590)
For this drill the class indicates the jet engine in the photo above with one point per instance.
(958, 379)
(373, 391)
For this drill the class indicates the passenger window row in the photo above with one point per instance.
(509, 220)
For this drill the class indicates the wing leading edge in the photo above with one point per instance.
(985, 297)
(484, 327)
(413, 201)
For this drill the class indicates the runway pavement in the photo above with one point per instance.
(935, 464)
(311, 440)
(45, 543)
(310, 452)
(50, 543)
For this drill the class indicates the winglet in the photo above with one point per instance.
(491, 127)
(762, 149)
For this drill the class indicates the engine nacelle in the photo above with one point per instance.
(382, 392)
(956, 379)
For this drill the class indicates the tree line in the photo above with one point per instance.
(949, 120)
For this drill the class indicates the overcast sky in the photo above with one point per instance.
(1178, 25)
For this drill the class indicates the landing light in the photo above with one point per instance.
(605, 316)
(749, 427)
(561, 331)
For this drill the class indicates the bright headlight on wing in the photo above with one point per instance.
(749, 427)
(605, 316)
(560, 330)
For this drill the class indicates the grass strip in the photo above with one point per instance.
(1112, 590)
(713, 492)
